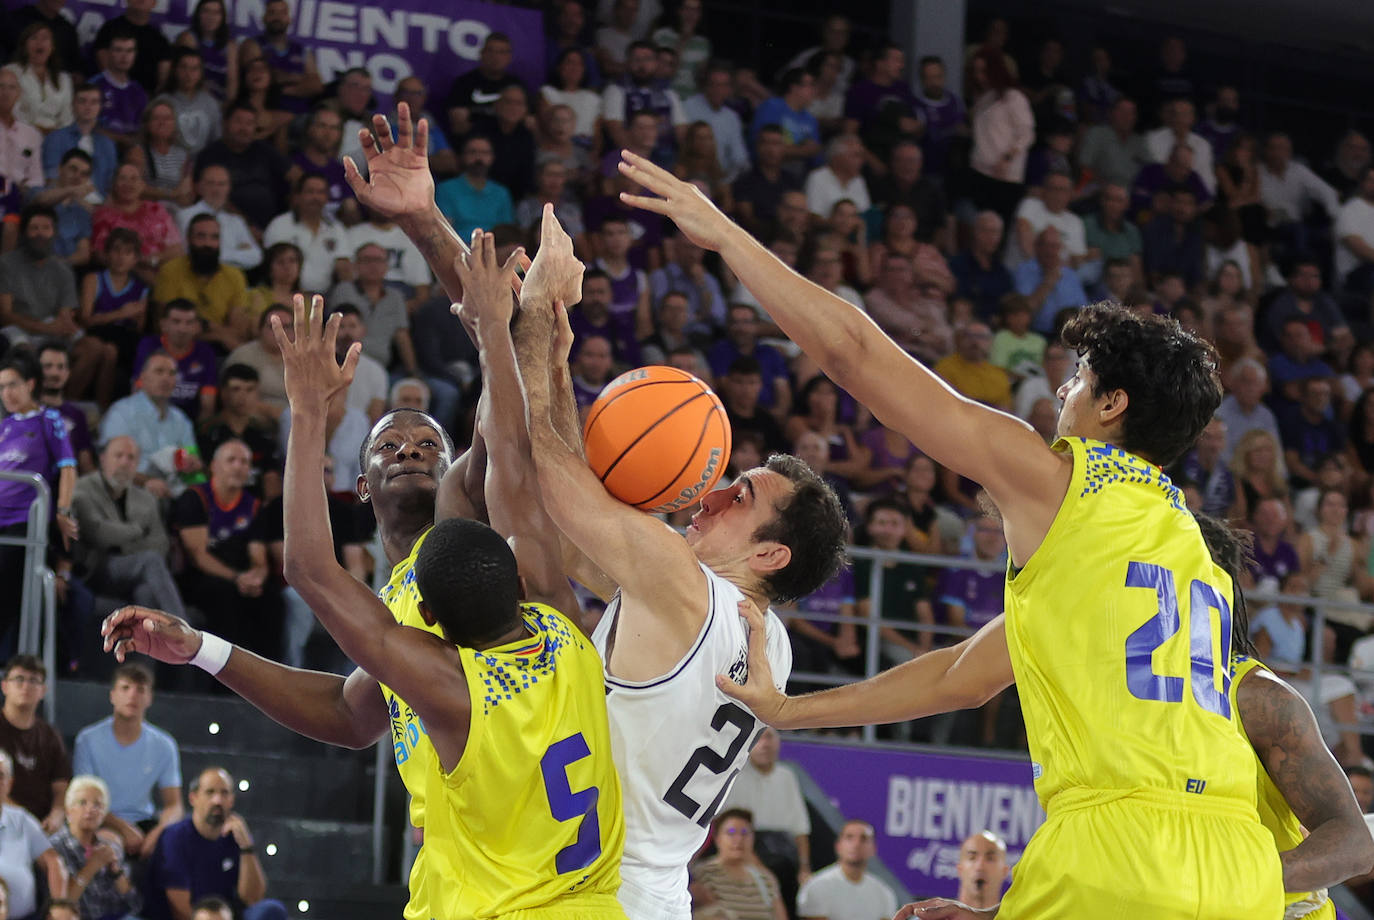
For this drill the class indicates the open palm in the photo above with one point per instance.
(399, 182)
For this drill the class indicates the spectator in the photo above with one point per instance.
(1155, 182)
(197, 367)
(81, 134)
(472, 200)
(406, 268)
(282, 263)
(709, 106)
(788, 111)
(1051, 209)
(741, 341)
(408, 393)
(40, 768)
(261, 95)
(123, 549)
(1238, 190)
(1272, 560)
(1330, 563)
(982, 870)
(22, 845)
(1296, 360)
(697, 162)
(1113, 153)
(905, 186)
(443, 161)
(1221, 127)
(1111, 235)
(1362, 783)
(208, 34)
(1289, 189)
(739, 389)
(673, 317)
(319, 155)
(446, 357)
(844, 890)
(1242, 408)
(243, 418)
(123, 97)
(1228, 250)
(569, 85)
(817, 409)
(594, 317)
(1180, 116)
(513, 143)
(893, 305)
(158, 235)
(840, 179)
(685, 271)
(219, 290)
(221, 533)
(980, 275)
(1003, 130)
(382, 308)
(1050, 285)
(1097, 93)
(475, 92)
(97, 873)
(345, 428)
(1346, 167)
(132, 758)
(45, 89)
(681, 31)
(257, 172)
(198, 111)
(622, 27)
(66, 44)
(772, 797)
(970, 372)
(368, 391)
(1173, 241)
(1015, 349)
(71, 198)
(54, 365)
(293, 65)
(1205, 466)
(322, 241)
(551, 187)
(834, 34)
(264, 356)
(758, 191)
(163, 159)
(941, 114)
(152, 46)
(899, 234)
(1355, 236)
(1258, 466)
(19, 142)
(354, 102)
(881, 107)
(888, 525)
(209, 853)
(38, 291)
(237, 245)
(156, 426)
(1305, 301)
(591, 370)
(640, 91)
(1309, 432)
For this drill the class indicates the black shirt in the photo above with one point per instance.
(257, 176)
(764, 195)
(65, 41)
(153, 48)
(476, 93)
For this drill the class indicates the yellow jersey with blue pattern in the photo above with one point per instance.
(530, 819)
(1119, 631)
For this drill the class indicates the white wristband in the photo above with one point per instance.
(213, 653)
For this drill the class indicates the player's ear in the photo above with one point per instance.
(1113, 407)
(770, 556)
(425, 613)
(364, 494)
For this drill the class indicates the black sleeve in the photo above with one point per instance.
(102, 38)
(189, 511)
(270, 523)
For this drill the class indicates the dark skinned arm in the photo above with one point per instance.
(1285, 736)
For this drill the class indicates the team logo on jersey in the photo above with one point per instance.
(1196, 786)
(739, 670)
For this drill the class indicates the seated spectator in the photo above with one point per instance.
(123, 548)
(983, 870)
(79, 135)
(344, 428)
(264, 356)
(592, 368)
(197, 367)
(257, 171)
(198, 120)
(368, 391)
(354, 102)
(1331, 563)
(241, 418)
(789, 112)
(1205, 466)
(1272, 557)
(123, 97)
(1180, 116)
(23, 848)
(685, 271)
(71, 197)
(1289, 189)
(1111, 235)
(382, 308)
(758, 191)
(445, 356)
(55, 369)
(406, 268)
(221, 531)
(839, 179)
(1304, 300)
(1051, 209)
(709, 106)
(208, 33)
(114, 300)
(817, 409)
(900, 233)
(409, 393)
(646, 233)
(163, 159)
(40, 768)
(322, 241)
(66, 44)
(293, 65)
(513, 143)
(639, 90)
(970, 372)
(1015, 349)
(780, 841)
(1048, 283)
(471, 199)
(1173, 241)
(1242, 409)
(1258, 466)
(895, 306)
(1113, 153)
(1344, 170)
(1309, 432)
(558, 143)
(614, 37)
(888, 526)
(155, 425)
(475, 92)
(157, 233)
(263, 95)
(629, 285)
(443, 161)
(1296, 360)
(318, 155)
(972, 598)
(209, 853)
(281, 282)
(906, 185)
(673, 316)
(979, 272)
(237, 245)
(45, 88)
(569, 84)
(741, 341)
(845, 890)
(593, 317)
(1228, 249)
(739, 388)
(682, 33)
(220, 291)
(40, 291)
(551, 187)
(880, 107)
(93, 856)
(698, 162)
(1153, 185)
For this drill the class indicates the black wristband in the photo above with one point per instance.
(248, 849)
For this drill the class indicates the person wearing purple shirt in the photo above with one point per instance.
(942, 113)
(197, 366)
(593, 316)
(972, 598)
(122, 98)
(741, 340)
(882, 107)
(1272, 558)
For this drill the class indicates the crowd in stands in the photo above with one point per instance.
(164, 195)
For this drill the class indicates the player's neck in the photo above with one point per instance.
(399, 538)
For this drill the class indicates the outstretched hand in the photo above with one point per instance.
(399, 183)
(149, 632)
(556, 273)
(758, 692)
(487, 284)
(314, 375)
(681, 202)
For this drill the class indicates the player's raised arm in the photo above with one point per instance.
(1284, 734)
(962, 676)
(637, 551)
(992, 448)
(421, 667)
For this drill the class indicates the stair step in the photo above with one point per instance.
(334, 852)
(336, 786)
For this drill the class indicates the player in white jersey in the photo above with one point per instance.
(775, 534)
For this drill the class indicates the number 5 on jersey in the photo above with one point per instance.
(1203, 602)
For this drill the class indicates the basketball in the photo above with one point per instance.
(658, 438)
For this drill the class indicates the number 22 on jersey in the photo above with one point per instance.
(1206, 609)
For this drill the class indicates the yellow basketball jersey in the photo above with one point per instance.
(1119, 630)
(1274, 812)
(531, 817)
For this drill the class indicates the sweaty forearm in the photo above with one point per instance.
(440, 245)
(309, 703)
(1333, 852)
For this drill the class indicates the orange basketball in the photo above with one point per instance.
(658, 438)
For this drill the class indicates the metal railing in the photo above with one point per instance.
(38, 596)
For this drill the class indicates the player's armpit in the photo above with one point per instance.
(1285, 736)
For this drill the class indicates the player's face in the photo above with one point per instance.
(1079, 415)
(130, 699)
(722, 532)
(982, 865)
(407, 456)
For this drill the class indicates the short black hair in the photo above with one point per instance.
(181, 303)
(211, 903)
(791, 78)
(1359, 769)
(30, 663)
(348, 309)
(134, 673)
(886, 503)
(52, 345)
(201, 218)
(467, 577)
(267, 314)
(929, 59)
(76, 153)
(31, 211)
(593, 274)
(240, 372)
(385, 421)
(22, 362)
(812, 524)
(746, 365)
(1168, 375)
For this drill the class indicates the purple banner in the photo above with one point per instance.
(922, 806)
(434, 39)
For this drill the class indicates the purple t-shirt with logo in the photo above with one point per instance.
(1273, 567)
(197, 370)
(121, 107)
(333, 173)
(979, 593)
(36, 441)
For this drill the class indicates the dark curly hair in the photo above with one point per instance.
(467, 578)
(1169, 376)
(812, 525)
(1231, 549)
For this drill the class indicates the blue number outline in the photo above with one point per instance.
(1141, 679)
(566, 805)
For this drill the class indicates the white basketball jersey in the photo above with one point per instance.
(679, 743)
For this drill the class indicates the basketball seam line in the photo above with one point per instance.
(705, 423)
(622, 391)
(646, 432)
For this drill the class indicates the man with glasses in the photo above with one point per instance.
(42, 768)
